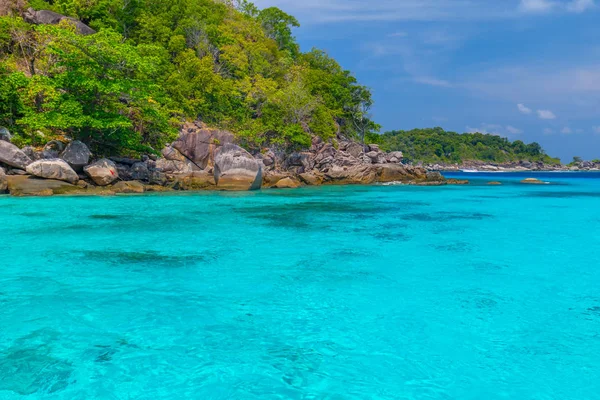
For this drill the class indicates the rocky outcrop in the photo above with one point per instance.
(236, 169)
(128, 187)
(53, 149)
(53, 169)
(26, 185)
(45, 17)
(174, 167)
(5, 134)
(77, 155)
(197, 180)
(3, 181)
(287, 183)
(206, 159)
(198, 143)
(103, 172)
(12, 156)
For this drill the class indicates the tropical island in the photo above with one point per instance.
(133, 96)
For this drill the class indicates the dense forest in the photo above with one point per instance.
(153, 64)
(438, 146)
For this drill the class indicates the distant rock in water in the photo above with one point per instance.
(494, 183)
(45, 17)
(533, 181)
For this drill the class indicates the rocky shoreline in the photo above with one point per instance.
(522, 166)
(200, 159)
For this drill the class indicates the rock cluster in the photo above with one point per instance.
(45, 17)
(201, 158)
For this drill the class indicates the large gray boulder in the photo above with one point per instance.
(199, 144)
(140, 172)
(236, 169)
(53, 169)
(395, 154)
(77, 155)
(103, 172)
(173, 167)
(45, 17)
(5, 134)
(11, 155)
(3, 181)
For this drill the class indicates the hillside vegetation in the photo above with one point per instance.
(438, 146)
(154, 64)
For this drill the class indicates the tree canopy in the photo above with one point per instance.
(438, 146)
(154, 64)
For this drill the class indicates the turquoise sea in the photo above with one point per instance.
(364, 292)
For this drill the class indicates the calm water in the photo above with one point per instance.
(328, 293)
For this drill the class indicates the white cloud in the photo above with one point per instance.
(566, 130)
(512, 130)
(546, 114)
(420, 10)
(523, 109)
(548, 131)
(536, 6)
(398, 34)
(544, 6)
(431, 81)
(579, 6)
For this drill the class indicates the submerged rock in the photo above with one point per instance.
(77, 155)
(27, 371)
(53, 169)
(457, 182)
(11, 155)
(103, 172)
(236, 169)
(494, 183)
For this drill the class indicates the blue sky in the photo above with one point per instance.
(524, 69)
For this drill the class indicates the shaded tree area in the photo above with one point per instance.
(154, 64)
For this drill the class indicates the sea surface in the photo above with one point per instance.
(356, 292)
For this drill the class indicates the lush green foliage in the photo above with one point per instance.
(438, 146)
(153, 64)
